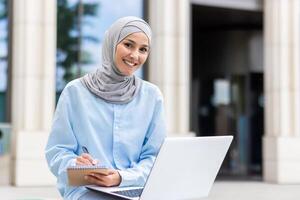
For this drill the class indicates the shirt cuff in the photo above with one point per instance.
(127, 179)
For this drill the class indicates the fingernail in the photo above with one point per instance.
(94, 162)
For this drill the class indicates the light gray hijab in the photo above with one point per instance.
(108, 82)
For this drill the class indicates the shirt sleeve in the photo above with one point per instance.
(62, 143)
(138, 173)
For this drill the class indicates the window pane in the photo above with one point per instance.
(3, 57)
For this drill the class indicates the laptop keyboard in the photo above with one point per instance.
(130, 193)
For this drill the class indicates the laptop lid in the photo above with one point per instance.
(186, 167)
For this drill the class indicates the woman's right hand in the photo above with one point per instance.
(86, 159)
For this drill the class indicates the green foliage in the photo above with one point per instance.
(3, 16)
(3, 9)
(68, 37)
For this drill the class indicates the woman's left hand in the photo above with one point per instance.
(113, 179)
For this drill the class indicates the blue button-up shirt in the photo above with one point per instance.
(123, 137)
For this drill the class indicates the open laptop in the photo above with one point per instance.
(185, 168)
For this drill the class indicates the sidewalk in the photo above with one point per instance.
(222, 190)
(242, 190)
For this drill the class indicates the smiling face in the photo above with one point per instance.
(131, 53)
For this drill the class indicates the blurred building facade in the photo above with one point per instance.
(224, 67)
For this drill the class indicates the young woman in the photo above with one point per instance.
(113, 113)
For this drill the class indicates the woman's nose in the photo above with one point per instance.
(134, 55)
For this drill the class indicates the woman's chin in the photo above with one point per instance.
(129, 72)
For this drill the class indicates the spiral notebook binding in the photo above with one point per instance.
(84, 167)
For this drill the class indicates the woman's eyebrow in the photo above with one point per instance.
(145, 45)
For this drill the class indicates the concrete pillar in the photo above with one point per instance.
(33, 89)
(281, 143)
(169, 66)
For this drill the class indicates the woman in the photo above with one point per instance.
(113, 113)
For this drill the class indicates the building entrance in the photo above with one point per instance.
(227, 84)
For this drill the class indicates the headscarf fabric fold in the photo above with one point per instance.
(107, 82)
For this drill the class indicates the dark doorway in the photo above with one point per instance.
(227, 84)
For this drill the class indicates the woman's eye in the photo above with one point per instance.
(144, 50)
(128, 45)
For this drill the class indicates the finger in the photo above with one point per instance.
(80, 163)
(98, 175)
(96, 162)
(103, 173)
(104, 178)
(91, 179)
(106, 172)
(89, 157)
(83, 160)
(111, 171)
(106, 181)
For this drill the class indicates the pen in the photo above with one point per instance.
(85, 150)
